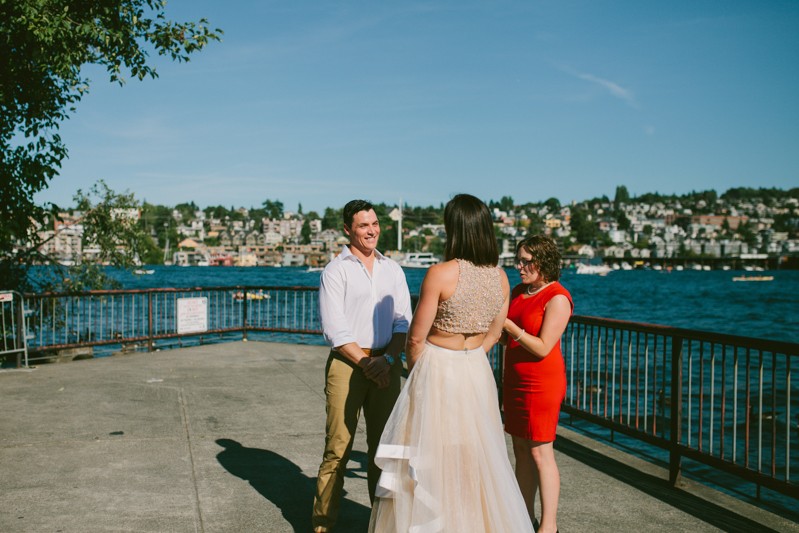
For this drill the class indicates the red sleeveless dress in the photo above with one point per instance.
(533, 388)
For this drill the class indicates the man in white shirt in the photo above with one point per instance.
(365, 309)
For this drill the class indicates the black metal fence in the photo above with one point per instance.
(727, 401)
(13, 338)
(146, 318)
(724, 400)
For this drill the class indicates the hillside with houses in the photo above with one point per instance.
(735, 228)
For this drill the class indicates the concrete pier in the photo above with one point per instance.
(228, 438)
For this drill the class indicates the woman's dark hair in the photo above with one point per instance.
(353, 207)
(546, 256)
(470, 231)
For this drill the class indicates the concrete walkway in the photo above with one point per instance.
(228, 438)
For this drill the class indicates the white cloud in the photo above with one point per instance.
(613, 88)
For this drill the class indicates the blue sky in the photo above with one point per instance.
(321, 102)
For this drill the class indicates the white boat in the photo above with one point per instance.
(143, 272)
(419, 260)
(599, 270)
(314, 269)
(753, 278)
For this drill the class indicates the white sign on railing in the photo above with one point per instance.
(6, 296)
(192, 315)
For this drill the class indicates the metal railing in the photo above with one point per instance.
(727, 401)
(13, 337)
(145, 317)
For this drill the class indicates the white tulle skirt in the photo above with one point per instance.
(443, 453)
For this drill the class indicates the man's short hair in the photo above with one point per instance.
(353, 207)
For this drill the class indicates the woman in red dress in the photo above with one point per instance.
(535, 374)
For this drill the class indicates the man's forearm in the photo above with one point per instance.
(353, 352)
(396, 344)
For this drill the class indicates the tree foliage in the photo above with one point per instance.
(584, 228)
(505, 204)
(553, 204)
(44, 45)
(274, 209)
(305, 231)
(111, 235)
(622, 196)
(332, 218)
(762, 194)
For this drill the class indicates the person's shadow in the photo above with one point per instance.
(282, 482)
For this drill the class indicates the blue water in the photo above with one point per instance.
(708, 301)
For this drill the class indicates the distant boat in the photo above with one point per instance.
(599, 270)
(314, 269)
(753, 278)
(238, 296)
(419, 260)
(143, 272)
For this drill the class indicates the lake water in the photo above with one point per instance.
(709, 301)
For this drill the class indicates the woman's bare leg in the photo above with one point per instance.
(526, 473)
(543, 454)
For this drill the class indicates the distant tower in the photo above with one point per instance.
(399, 227)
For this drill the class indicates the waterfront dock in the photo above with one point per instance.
(228, 438)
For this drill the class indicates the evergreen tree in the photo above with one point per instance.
(305, 232)
(622, 196)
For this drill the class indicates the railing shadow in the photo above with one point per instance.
(282, 482)
(659, 488)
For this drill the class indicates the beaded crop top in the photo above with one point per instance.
(474, 304)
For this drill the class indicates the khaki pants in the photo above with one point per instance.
(347, 391)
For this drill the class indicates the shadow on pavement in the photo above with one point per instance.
(656, 487)
(282, 482)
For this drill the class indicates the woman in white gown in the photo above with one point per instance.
(443, 453)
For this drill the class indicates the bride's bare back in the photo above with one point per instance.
(461, 307)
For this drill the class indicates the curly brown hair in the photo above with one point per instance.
(546, 256)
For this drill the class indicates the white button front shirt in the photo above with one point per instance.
(357, 307)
